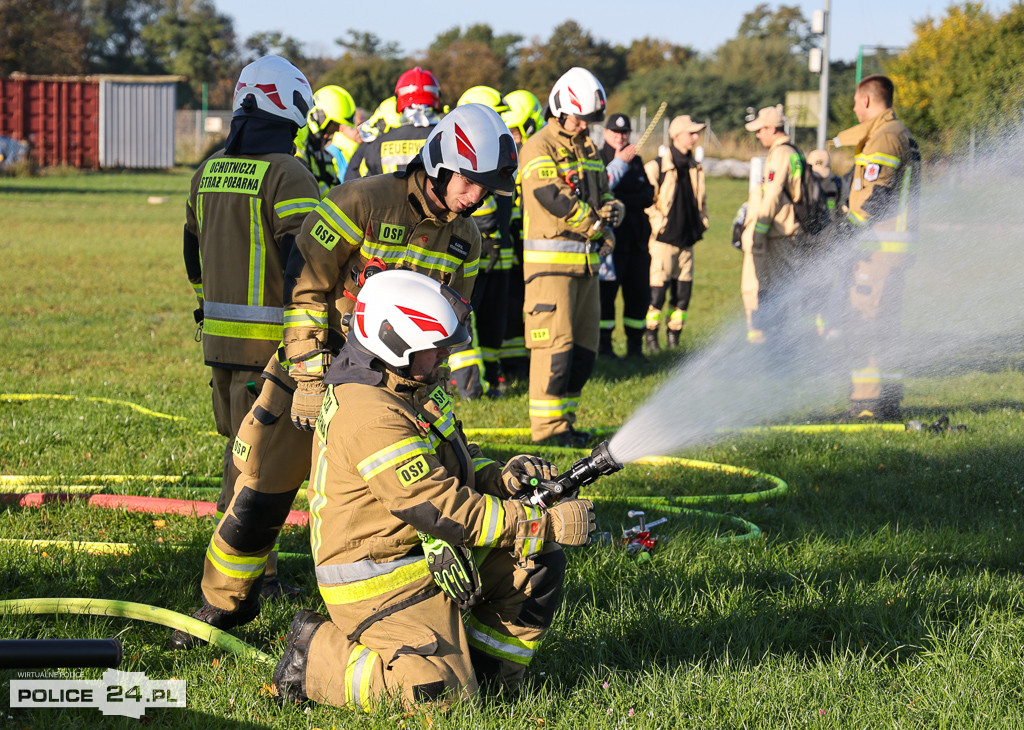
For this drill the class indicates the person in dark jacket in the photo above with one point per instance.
(630, 263)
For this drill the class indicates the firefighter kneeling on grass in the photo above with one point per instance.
(418, 220)
(411, 523)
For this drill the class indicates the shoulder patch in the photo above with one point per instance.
(412, 471)
(458, 247)
(771, 175)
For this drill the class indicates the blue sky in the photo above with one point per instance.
(413, 24)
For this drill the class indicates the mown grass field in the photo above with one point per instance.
(886, 591)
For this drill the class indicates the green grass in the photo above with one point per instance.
(886, 591)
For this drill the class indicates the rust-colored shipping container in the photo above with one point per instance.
(91, 121)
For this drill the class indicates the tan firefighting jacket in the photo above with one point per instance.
(886, 182)
(242, 216)
(384, 216)
(390, 460)
(780, 188)
(664, 176)
(558, 225)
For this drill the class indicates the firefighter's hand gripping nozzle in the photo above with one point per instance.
(568, 484)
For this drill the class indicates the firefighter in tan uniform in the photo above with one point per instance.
(883, 213)
(410, 523)
(474, 368)
(524, 117)
(415, 220)
(776, 238)
(568, 214)
(678, 220)
(245, 208)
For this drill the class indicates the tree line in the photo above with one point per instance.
(960, 73)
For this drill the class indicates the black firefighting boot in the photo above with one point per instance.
(604, 346)
(889, 402)
(571, 438)
(290, 672)
(862, 410)
(635, 344)
(494, 378)
(273, 589)
(247, 611)
(672, 336)
(651, 342)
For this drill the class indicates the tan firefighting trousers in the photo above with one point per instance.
(670, 263)
(273, 458)
(748, 281)
(232, 401)
(563, 315)
(426, 650)
(776, 268)
(876, 301)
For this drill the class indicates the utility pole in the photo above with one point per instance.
(819, 63)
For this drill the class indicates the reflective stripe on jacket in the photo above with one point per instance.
(552, 212)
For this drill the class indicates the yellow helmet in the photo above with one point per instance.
(486, 95)
(331, 104)
(384, 117)
(524, 113)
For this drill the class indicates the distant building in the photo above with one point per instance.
(93, 122)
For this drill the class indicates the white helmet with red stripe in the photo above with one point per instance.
(473, 141)
(277, 89)
(401, 312)
(579, 93)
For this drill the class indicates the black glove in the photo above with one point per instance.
(525, 472)
(454, 570)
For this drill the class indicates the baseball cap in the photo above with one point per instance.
(770, 116)
(618, 123)
(683, 123)
(820, 162)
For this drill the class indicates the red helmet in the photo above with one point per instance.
(417, 86)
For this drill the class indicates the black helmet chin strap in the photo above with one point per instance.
(440, 187)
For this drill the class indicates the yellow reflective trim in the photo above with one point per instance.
(405, 449)
(549, 407)
(345, 593)
(317, 483)
(257, 252)
(494, 518)
(235, 566)
(305, 318)
(300, 206)
(336, 219)
(555, 257)
(242, 330)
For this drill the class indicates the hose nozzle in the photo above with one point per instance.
(583, 472)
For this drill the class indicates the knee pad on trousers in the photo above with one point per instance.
(580, 368)
(421, 677)
(684, 290)
(538, 610)
(256, 519)
(657, 297)
(561, 363)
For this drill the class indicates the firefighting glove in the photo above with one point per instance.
(570, 522)
(453, 569)
(612, 212)
(526, 472)
(608, 244)
(306, 402)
